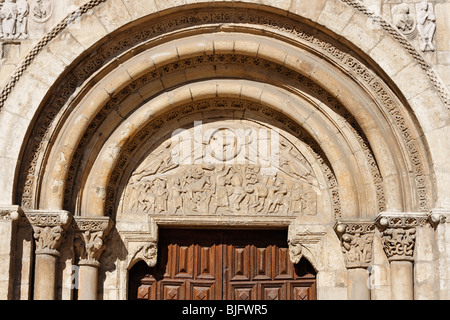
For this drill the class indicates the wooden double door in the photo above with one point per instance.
(223, 265)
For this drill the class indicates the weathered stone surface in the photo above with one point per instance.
(94, 92)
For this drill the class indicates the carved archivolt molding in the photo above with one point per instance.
(82, 72)
(94, 3)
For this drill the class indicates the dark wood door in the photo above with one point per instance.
(216, 265)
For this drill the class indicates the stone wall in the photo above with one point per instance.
(367, 113)
(42, 17)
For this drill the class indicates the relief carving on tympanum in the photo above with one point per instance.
(223, 175)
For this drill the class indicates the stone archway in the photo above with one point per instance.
(351, 119)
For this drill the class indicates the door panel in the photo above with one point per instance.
(231, 265)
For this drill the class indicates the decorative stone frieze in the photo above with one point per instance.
(48, 230)
(399, 234)
(89, 238)
(356, 242)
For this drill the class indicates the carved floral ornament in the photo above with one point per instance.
(90, 234)
(49, 229)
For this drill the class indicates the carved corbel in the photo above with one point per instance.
(48, 229)
(438, 216)
(399, 235)
(90, 233)
(145, 250)
(304, 243)
(11, 214)
(356, 242)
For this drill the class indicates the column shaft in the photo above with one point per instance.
(402, 281)
(88, 283)
(358, 280)
(45, 277)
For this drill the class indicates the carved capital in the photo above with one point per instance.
(48, 229)
(90, 233)
(356, 242)
(399, 234)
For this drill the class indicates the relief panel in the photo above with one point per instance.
(232, 169)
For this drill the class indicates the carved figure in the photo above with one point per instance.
(426, 26)
(42, 10)
(14, 19)
(160, 186)
(22, 19)
(9, 16)
(222, 181)
(357, 247)
(175, 196)
(404, 20)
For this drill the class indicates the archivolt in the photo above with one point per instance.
(383, 108)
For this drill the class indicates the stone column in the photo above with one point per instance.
(48, 232)
(398, 239)
(356, 243)
(8, 224)
(90, 233)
